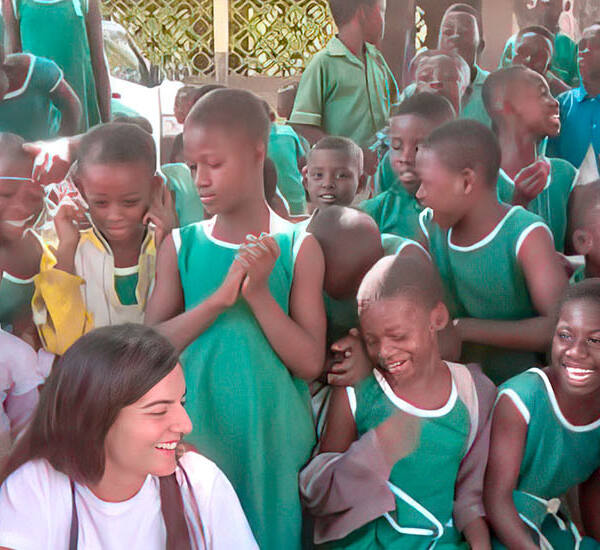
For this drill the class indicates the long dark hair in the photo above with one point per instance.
(101, 373)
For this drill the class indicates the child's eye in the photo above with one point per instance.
(100, 204)
(131, 202)
(564, 336)
(594, 341)
(192, 166)
(214, 165)
(342, 175)
(159, 413)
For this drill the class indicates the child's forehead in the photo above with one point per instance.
(410, 125)
(332, 158)
(130, 176)
(461, 17)
(531, 38)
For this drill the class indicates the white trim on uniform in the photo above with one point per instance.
(557, 411)
(488, 238)
(351, 392)
(176, 234)
(411, 409)
(16, 280)
(25, 85)
(126, 271)
(410, 242)
(526, 233)
(517, 402)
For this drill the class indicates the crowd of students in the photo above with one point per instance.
(366, 320)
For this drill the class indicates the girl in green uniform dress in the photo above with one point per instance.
(401, 313)
(242, 292)
(524, 114)
(546, 437)
(501, 274)
(69, 32)
(20, 252)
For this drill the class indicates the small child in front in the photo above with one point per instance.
(396, 210)
(501, 273)
(242, 292)
(424, 413)
(102, 275)
(524, 113)
(546, 435)
(333, 174)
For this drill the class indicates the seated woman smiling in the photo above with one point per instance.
(99, 466)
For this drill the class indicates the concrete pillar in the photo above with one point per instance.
(221, 39)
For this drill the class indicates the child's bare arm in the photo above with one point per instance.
(589, 504)
(340, 428)
(94, 32)
(509, 434)
(546, 280)
(165, 308)
(298, 338)
(69, 106)
(311, 133)
(11, 25)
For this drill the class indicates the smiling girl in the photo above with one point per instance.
(545, 435)
(109, 477)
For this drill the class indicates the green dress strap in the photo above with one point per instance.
(57, 30)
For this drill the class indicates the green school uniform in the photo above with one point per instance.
(126, 282)
(578, 275)
(485, 281)
(285, 150)
(564, 63)
(552, 203)
(473, 108)
(557, 456)
(15, 298)
(250, 415)
(395, 211)
(385, 176)
(29, 111)
(422, 482)
(344, 96)
(187, 201)
(56, 29)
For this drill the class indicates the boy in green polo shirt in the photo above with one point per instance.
(396, 210)
(348, 89)
(524, 113)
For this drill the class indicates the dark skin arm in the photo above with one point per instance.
(589, 503)
(11, 27)
(340, 428)
(94, 32)
(546, 281)
(509, 434)
(68, 104)
(311, 133)
(165, 309)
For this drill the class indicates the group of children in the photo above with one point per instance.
(409, 370)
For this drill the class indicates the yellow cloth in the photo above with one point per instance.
(67, 306)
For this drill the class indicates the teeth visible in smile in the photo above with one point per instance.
(328, 196)
(167, 446)
(578, 374)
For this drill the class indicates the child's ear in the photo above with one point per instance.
(468, 180)
(362, 183)
(582, 242)
(439, 317)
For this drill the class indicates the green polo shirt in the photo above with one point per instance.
(474, 108)
(344, 96)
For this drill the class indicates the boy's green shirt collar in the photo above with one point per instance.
(336, 48)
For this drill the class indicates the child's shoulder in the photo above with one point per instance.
(525, 390)
(562, 170)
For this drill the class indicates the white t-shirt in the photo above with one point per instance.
(21, 370)
(36, 506)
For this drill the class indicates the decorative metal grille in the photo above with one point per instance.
(276, 37)
(420, 29)
(176, 35)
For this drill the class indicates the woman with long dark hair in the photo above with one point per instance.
(98, 466)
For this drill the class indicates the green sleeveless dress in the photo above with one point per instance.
(557, 457)
(15, 298)
(552, 203)
(56, 29)
(423, 482)
(485, 281)
(29, 111)
(250, 415)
